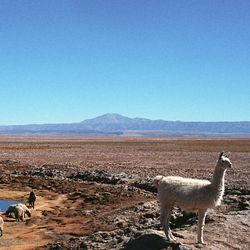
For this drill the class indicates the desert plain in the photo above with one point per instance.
(96, 192)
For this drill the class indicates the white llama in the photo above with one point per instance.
(1, 226)
(191, 195)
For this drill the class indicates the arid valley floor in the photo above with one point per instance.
(96, 193)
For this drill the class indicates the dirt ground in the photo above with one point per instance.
(67, 208)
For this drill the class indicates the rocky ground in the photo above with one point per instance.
(98, 194)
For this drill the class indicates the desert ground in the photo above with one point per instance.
(97, 193)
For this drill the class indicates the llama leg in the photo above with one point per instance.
(22, 216)
(201, 224)
(172, 238)
(164, 218)
(17, 215)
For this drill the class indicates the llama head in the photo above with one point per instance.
(224, 161)
(28, 212)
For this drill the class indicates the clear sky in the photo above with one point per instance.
(66, 61)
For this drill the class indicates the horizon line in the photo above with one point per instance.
(137, 117)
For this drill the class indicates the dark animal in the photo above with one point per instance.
(32, 199)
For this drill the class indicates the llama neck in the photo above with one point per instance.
(218, 181)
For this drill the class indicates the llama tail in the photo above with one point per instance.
(157, 180)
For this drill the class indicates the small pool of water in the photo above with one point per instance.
(4, 204)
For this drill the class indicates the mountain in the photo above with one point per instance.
(116, 124)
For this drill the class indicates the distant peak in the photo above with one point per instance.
(112, 116)
(109, 118)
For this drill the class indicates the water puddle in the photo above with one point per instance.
(4, 204)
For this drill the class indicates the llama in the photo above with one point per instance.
(1, 226)
(32, 199)
(10, 210)
(191, 195)
(20, 211)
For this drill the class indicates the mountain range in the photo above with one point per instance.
(118, 125)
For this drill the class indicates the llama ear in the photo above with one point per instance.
(228, 154)
(221, 154)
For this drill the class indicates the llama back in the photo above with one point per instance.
(158, 180)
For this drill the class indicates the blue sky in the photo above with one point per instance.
(66, 61)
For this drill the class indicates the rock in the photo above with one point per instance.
(121, 223)
(72, 243)
(99, 176)
(45, 213)
(179, 219)
(43, 172)
(244, 203)
(146, 184)
(8, 162)
(91, 198)
(88, 212)
(152, 240)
